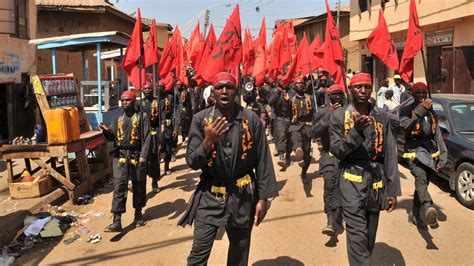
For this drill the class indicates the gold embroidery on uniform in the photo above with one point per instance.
(134, 132)
(246, 139)
(309, 108)
(167, 105)
(348, 122)
(294, 112)
(154, 109)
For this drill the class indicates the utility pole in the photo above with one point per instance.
(338, 11)
(206, 21)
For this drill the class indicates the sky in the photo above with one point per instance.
(186, 13)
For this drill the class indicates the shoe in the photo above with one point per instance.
(282, 160)
(431, 216)
(299, 155)
(116, 226)
(275, 153)
(154, 188)
(138, 219)
(173, 159)
(329, 229)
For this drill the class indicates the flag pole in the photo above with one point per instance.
(424, 67)
(141, 97)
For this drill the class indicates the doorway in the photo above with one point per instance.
(3, 112)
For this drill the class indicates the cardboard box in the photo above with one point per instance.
(25, 190)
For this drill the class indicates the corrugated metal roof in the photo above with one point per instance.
(84, 3)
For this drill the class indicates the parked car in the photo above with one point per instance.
(455, 114)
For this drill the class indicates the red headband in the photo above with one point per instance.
(128, 94)
(224, 77)
(335, 87)
(280, 77)
(323, 77)
(148, 85)
(299, 79)
(361, 78)
(419, 86)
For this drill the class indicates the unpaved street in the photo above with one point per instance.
(290, 235)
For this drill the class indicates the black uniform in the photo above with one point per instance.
(152, 110)
(282, 113)
(228, 190)
(169, 122)
(131, 146)
(368, 174)
(302, 116)
(328, 164)
(425, 149)
(185, 109)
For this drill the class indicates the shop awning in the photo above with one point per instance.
(84, 41)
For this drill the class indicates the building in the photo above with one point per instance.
(315, 25)
(17, 63)
(448, 38)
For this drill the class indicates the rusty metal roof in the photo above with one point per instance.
(76, 3)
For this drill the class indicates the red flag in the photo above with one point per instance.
(151, 49)
(302, 64)
(180, 63)
(333, 49)
(286, 55)
(413, 44)
(168, 57)
(133, 54)
(381, 44)
(194, 46)
(260, 57)
(228, 51)
(316, 58)
(206, 51)
(248, 52)
(273, 56)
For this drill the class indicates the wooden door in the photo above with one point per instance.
(447, 70)
(433, 74)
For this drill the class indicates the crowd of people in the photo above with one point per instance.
(225, 125)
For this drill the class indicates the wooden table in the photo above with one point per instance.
(45, 156)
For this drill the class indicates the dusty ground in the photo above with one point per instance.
(290, 234)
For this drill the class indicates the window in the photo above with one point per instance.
(363, 5)
(14, 17)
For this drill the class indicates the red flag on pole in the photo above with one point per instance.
(316, 58)
(206, 51)
(151, 49)
(380, 43)
(228, 50)
(248, 53)
(194, 46)
(260, 57)
(413, 45)
(301, 66)
(180, 63)
(168, 56)
(133, 54)
(333, 53)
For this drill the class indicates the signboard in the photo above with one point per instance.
(439, 38)
(9, 64)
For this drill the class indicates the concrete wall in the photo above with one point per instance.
(17, 57)
(55, 23)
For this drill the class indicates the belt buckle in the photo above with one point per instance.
(220, 198)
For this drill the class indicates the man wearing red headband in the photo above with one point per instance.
(302, 111)
(185, 109)
(228, 144)
(133, 150)
(169, 127)
(368, 181)
(328, 164)
(426, 151)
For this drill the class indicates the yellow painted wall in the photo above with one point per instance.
(429, 11)
(17, 52)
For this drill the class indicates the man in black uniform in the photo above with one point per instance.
(425, 149)
(279, 101)
(328, 164)
(185, 109)
(368, 181)
(152, 109)
(169, 129)
(302, 115)
(227, 143)
(252, 100)
(134, 151)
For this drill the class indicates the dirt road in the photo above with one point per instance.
(290, 234)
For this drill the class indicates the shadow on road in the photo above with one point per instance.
(283, 260)
(176, 208)
(3, 165)
(126, 251)
(386, 255)
(422, 229)
(185, 182)
(281, 184)
(179, 167)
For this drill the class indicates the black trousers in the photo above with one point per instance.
(203, 239)
(119, 200)
(302, 139)
(422, 197)
(153, 168)
(329, 193)
(361, 230)
(281, 134)
(168, 146)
